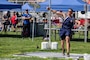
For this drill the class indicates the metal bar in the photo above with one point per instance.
(85, 40)
(59, 29)
(23, 1)
(49, 25)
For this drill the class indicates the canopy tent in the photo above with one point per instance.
(27, 6)
(63, 5)
(24, 7)
(4, 4)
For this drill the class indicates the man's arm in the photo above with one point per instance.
(27, 18)
(57, 12)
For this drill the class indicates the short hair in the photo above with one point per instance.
(26, 9)
(60, 10)
(70, 9)
(14, 12)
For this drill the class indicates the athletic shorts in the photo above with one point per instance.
(64, 32)
(14, 25)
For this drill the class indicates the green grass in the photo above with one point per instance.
(15, 45)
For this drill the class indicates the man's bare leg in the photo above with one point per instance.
(62, 45)
(68, 45)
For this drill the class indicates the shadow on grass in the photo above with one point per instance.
(17, 36)
(10, 35)
(79, 39)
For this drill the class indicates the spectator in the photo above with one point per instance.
(26, 24)
(1, 26)
(6, 21)
(82, 22)
(8, 14)
(79, 24)
(14, 21)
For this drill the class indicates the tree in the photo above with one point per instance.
(87, 1)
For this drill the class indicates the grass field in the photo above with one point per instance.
(12, 43)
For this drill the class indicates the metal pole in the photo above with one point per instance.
(85, 40)
(16, 1)
(33, 23)
(33, 30)
(50, 24)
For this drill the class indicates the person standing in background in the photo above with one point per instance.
(6, 21)
(14, 21)
(26, 23)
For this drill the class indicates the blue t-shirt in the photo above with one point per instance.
(68, 23)
(26, 21)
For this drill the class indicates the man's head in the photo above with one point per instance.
(26, 10)
(70, 11)
(14, 12)
(60, 10)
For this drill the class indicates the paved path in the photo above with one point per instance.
(51, 54)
